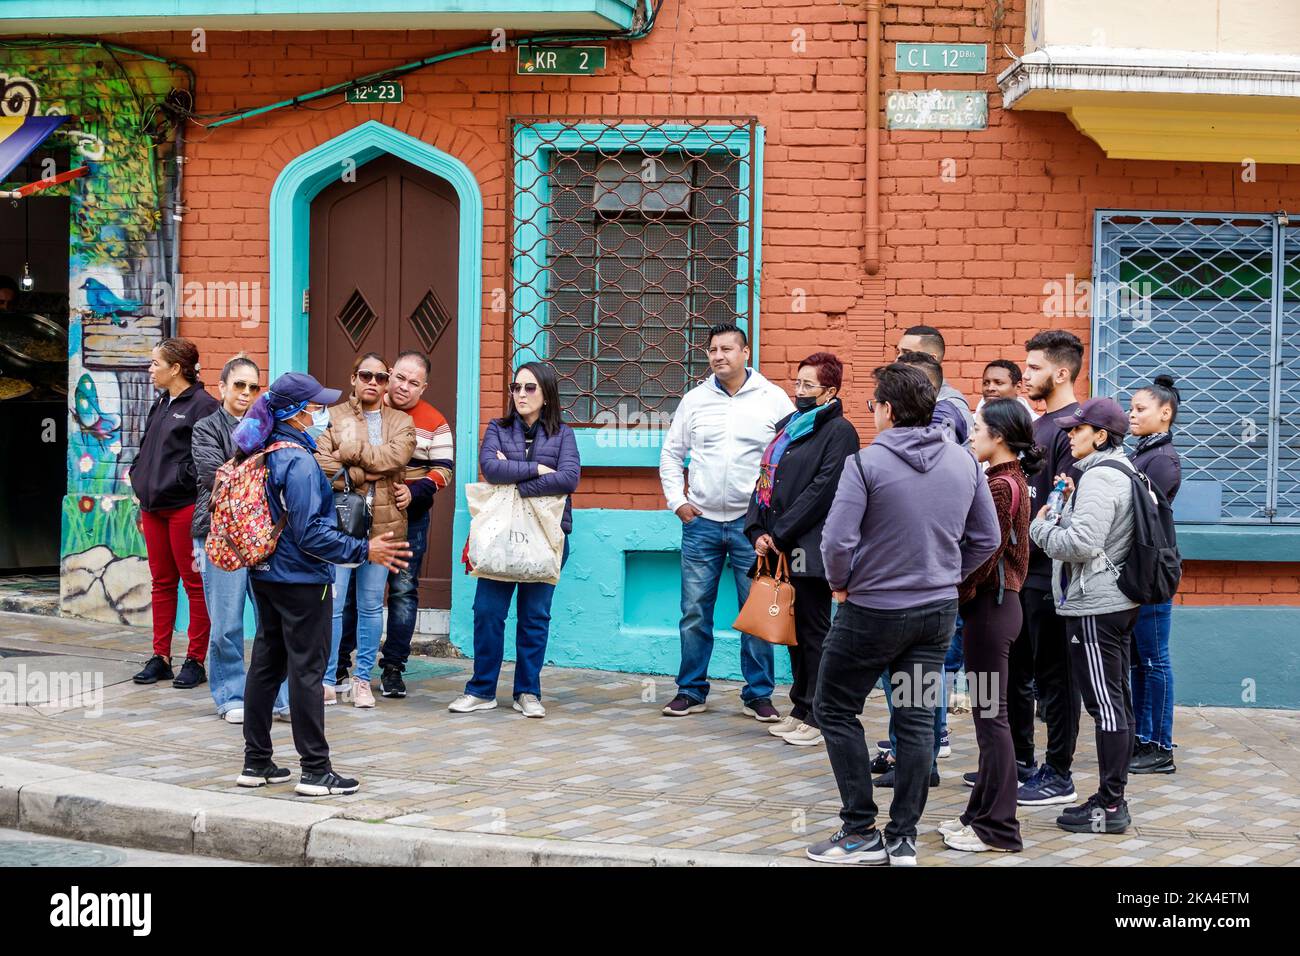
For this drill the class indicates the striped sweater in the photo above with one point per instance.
(430, 467)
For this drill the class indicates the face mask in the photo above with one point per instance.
(805, 403)
(320, 420)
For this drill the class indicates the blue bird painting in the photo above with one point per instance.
(103, 301)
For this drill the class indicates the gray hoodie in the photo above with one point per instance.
(1092, 539)
(923, 522)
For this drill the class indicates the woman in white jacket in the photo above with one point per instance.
(1087, 543)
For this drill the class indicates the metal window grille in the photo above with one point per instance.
(629, 239)
(1214, 300)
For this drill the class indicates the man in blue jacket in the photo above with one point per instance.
(912, 517)
(292, 588)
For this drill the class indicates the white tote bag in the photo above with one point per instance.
(513, 538)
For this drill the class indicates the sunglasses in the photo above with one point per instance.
(252, 387)
(529, 388)
(367, 376)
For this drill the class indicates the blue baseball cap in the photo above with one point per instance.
(294, 388)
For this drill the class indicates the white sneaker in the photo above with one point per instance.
(362, 695)
(804, 736)
(235, 715)
(966, 839)
(530, 706)
(787, 725)
(331, 694)
(282, 716)
(952, 826)
(468, 703)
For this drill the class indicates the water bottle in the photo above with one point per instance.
(1056, 500)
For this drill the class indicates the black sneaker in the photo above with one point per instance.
(886, 779)
(1154, 759)
(260, 776)
(391, 682)
(158, 668)
(1023, 772)
(882, 763)
(325, 784)
(902, 852)
(681, 705)
(191, 675)
(1091, 817)
(762, 711)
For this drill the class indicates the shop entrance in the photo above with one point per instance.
(34, 235)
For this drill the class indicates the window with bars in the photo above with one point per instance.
(629, 241)
(1214, 300)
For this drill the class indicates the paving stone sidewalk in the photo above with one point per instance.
(606, 767)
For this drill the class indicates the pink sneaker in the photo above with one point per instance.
(362, 695)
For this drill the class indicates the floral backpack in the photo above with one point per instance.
(242, 533)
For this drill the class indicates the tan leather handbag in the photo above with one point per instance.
(768, 613)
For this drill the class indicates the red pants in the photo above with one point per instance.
(170, 547)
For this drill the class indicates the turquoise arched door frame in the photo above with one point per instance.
(298, 183)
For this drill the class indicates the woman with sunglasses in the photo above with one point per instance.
(532, 448)
(373, 441)
(225, 591)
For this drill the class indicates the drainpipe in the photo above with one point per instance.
(871, 185)
(178, 214)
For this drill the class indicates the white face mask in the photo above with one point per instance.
(320, 420)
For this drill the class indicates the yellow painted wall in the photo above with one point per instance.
(1222, 26)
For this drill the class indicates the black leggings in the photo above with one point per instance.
(988, 631)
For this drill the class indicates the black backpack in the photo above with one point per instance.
(1153, 568)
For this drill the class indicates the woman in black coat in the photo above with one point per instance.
(796, 485)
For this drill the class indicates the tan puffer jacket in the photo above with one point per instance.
(347, 442)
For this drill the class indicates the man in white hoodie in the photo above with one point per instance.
(722, 426)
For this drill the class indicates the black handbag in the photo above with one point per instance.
(351, 507)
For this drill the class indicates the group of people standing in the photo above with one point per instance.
(930, 552)
(937, 548)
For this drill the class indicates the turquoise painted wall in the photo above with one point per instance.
(618, 602)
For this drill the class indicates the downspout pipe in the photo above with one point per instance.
(871, 183)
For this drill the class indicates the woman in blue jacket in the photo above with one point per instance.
(532, 448)
(292, 588)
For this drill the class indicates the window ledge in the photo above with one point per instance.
(1211, 542)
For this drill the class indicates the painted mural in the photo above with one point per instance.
(120, 247)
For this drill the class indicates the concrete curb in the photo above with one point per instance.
(102, 808)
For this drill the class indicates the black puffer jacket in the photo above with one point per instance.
(163, 473)
(212, 447)
(803, 489)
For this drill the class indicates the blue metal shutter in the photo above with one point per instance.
(1189, 294)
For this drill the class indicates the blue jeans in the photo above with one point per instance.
(705, 546)
(404, 598)
(940, 719)
(532, 631)
(1153, 677)
(371, 579)
(224, 593)
(953, 663)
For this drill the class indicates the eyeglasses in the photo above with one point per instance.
(871, 405)
(367, 376)
(800, 386)
(251, 387)
(528, 388)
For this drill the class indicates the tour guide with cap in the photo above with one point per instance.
(292, 588)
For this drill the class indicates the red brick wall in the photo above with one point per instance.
(970, 256)
(1233, 582)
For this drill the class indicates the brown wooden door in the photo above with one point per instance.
(384, 278)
